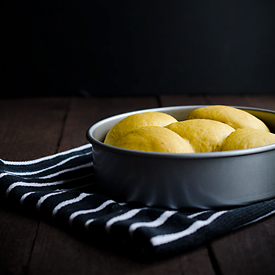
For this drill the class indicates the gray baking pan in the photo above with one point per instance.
(198, 180)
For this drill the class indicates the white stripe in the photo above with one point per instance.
(66, 170)
(28, 162)
(167, 238)
(68, 202)
(31, 184)
(122, 217)
(48, 176)
(197, 214)
(25, 196)
(49, 167)
(35, 184)
(43, 198)
(88, 222)
(88, 211)
(158, 222)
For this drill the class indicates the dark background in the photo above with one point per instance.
(138, 47)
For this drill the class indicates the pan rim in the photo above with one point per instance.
(220, 154)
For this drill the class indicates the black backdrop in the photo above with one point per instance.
(137, 47)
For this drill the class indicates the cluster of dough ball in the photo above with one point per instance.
(207, 129)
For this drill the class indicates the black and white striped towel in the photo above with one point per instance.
(59, 187)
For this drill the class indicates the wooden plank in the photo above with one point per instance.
(232, 100)
(17, 235)
(257, 101)
(86, 111)
(182, 100)
(204, 100)
(250, 250)
(262, 101)
(29, 128)
(56, 252)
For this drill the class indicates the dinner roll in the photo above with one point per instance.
(137, 121)
(154, 139)
(236, 118)
(247, 138)
(204, 135)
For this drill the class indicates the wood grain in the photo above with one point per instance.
(17, 236)
(262, 101)
(167, 101)
(257, 101)
(249, 250)
(68, 255)
(57, 252)
(30, 128)
(84, 112)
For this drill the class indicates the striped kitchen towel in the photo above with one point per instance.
(61, 188)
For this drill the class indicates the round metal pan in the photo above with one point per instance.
(197, 180)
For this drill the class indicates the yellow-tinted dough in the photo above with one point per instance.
(154, 139)
(247, 138)
(137, 121)
(236, 118)
(207, 129)
(204, 135)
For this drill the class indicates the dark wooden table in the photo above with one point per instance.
(35, 127)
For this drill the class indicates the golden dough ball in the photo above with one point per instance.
(236, 118)
(247, 138)
(204, 135)
(137, 121)
(154, 139)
